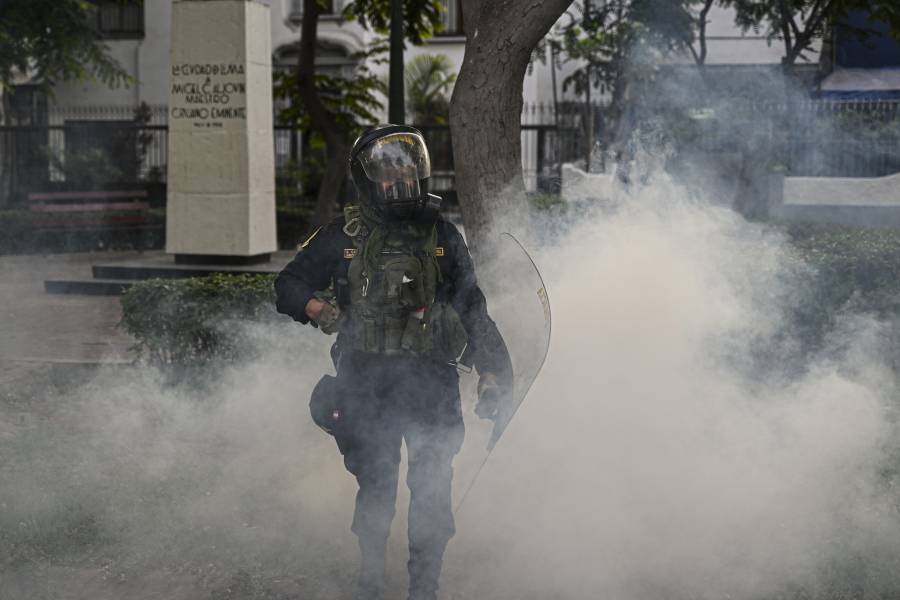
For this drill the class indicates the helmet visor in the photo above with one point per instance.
(395, 163)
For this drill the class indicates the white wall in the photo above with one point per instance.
(155, 62)
(145, 60)
(148, 59)
(727, 44)
(863, 201)
(93, 93)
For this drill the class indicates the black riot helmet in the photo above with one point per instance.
(391, 167)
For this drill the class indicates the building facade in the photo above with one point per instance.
(138, 38)
(86, 113)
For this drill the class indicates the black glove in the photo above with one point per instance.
(329, 320)
(489, 394)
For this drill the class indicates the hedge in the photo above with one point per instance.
(852, 264)
(194, 321)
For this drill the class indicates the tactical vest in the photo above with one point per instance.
(392, 281)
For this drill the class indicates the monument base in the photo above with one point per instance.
(114, 277)
(222, 259)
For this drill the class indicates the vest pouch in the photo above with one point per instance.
(390, 281)
(403, 280)
(417, 335)
(366, 334)
(394, 329)
(449, 333)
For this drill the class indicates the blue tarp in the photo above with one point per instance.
(876, 50)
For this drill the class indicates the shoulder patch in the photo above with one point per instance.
(349, 252)
(310, 238)
(439, 251)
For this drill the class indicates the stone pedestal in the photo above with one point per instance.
(221, 167)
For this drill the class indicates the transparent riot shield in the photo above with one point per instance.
(518, 302)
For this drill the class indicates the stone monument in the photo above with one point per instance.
(221, 166)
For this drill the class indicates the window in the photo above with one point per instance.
(329, 8)
(451, 17)
(122, 20)
(102, 151)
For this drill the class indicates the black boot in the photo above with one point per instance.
(424, 572)
(370, 585)
(421, 594)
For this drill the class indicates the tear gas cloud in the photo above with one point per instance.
(684, 439)
(680, 443)
(658, 455)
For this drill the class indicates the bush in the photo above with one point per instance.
(852, 264)
(195, 321)
(192, 322)
(545, 201)
(854, 270)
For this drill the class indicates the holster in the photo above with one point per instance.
(324, 404)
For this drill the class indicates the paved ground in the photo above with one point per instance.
(58, 540)
(108, 491)
(36, 327)
(40, 327)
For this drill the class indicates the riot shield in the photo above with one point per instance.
(518, 302)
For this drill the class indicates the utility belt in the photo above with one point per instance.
(444, 336)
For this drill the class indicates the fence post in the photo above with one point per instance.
(541, 179)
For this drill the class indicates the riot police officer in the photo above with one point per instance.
(396, 283)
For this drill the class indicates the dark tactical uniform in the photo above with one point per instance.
(386, 398)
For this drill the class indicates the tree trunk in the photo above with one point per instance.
(588, 123)
(333, 180)
(619, 124)
(485, 111)
(7, 153)
(396, 104)
(337, 138)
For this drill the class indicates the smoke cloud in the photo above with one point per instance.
(679, 443)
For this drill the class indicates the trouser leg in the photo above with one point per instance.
(431, 451)
(372, 454)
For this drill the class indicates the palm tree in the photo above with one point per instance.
(429, 80)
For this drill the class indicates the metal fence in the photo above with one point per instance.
(97, 147)
(86, 155)
(844, 138)
(816, 138)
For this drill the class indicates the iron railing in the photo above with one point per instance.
(96, 146)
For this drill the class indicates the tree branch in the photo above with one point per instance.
(817, 16)
(321, 119)
(784, 18)
(701, 33)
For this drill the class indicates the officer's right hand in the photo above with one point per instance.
(314, 309)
